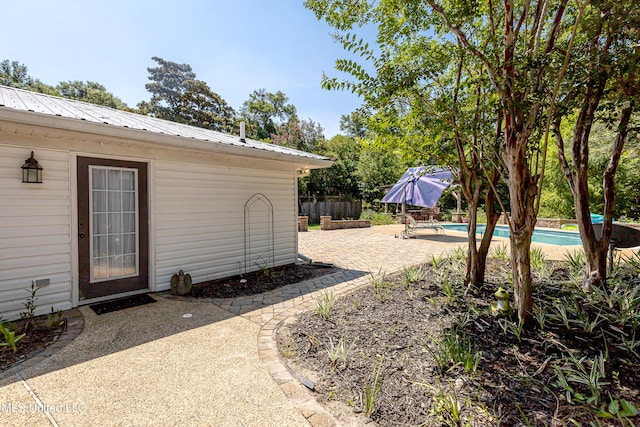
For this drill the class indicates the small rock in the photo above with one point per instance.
(459, 383)
(321, 420)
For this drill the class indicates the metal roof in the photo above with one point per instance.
(23, 100)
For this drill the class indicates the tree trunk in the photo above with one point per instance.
(521, 267)
(596, 250)
(522, 192)
(475, 272)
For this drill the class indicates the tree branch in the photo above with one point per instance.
(462, 38)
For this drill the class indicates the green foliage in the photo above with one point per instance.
(324, 305)
(55, 319)
(538, 258)
(446, 407)
(540, 314)
(355, 124)
(412, 275)
(576, 262)
(500, 252)
(168, 83)
(304, 135)
(9, 338)
(448, 290)
(14, 74)
(30, 306)
(454, 349)
(381, 286)
(377, 167)
(378, 218)
(457, 255)
(618, 408)
(539, 264)
(264, 112)
(91, 92)
(511, 328)
(633, 261)
(200, 106)
(176, 95)
(338, 180)
(339, 352)
(582, 379)
(372, 389)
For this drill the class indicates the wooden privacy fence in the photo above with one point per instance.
(336, 209)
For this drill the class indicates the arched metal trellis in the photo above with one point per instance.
(259, 251)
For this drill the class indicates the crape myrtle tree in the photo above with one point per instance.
(476, 130)
(602, 86)
(513, 41)
(432, 105)
(454, 121)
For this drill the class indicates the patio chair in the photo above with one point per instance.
(411, 227)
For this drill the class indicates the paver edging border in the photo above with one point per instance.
(74, 325)
(280, 370)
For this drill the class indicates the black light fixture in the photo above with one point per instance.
(32, 171)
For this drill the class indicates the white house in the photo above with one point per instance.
(128, 200)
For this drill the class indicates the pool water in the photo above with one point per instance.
(552, 237)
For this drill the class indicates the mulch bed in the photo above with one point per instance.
(399, 330)
(37, 339)
(259, 281)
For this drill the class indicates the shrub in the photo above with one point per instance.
(377, 218)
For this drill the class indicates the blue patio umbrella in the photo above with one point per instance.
(419, 186)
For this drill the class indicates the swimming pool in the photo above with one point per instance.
(552, 237)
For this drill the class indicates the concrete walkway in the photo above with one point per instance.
(183, 361)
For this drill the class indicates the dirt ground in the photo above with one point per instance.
(429, 352)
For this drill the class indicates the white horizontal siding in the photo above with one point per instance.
(199, 218)
(34, 231)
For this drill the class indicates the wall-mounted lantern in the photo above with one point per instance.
(32, 171)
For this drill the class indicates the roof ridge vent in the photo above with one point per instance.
(243, 132)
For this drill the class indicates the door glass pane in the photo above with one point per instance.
(100, 248)
(115, 244)
(99, 201)
(128, 264)
(128, 201)
(99, 223)
(115, 266)
(114, 223)
(100, 267)
(115, 201)
(99, 178)
(114, 180)
(129, 243)
(129, 223)
(128, 180)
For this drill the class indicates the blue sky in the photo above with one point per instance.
(235, 46)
